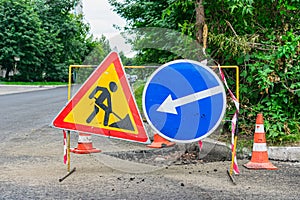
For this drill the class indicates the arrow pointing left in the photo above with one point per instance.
(169, 105)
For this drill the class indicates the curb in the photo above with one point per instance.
(13, 89)
(32, 86)
(284, 153)
(290, 154)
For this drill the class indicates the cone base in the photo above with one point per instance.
(85, 151)
(254, 165)
(161, 144)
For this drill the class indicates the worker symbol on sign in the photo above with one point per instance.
(103, 101)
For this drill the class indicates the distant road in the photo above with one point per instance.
(24, 111)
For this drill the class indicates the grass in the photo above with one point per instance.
(33, 83)
(138, 93)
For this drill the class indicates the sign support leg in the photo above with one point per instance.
(68, 150)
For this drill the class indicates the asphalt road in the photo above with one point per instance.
(21, 112)
(31, 163)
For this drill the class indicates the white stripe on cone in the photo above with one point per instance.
(84, 139)
(259, 128)
(260, 147)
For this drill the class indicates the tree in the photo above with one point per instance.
(262, 37)
(68, 37)
(20, 36)
(141, 14)
(200, 20)
(100, 50)
(45, 35)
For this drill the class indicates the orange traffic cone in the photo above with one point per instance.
(85, 145)
(259, 159)
(160, 142)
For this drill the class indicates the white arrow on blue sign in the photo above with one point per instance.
(184, 101)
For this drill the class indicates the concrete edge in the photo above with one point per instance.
(284, 153)
(14, 89)
(290, 154)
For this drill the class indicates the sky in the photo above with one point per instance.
(99, 14)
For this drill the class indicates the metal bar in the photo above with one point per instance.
(83, 66)
(237, 83)
(68, 174)
(69, 82)
(140, 67)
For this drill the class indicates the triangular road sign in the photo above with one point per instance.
(104, 105)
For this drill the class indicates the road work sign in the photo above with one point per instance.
(104, 105)
(184, 101)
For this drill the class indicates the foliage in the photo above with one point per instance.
(20, 36)
(270, 68)
(46, 37)
(262, 37)
(100, 50)
(68, 36)
(138, 93)
(139, 16)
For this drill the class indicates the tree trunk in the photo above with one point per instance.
(8, 67)
(7, 74)
(200, 20)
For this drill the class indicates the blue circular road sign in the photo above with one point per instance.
(184, 101)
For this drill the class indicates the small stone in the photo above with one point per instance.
(182, 184)
(159, 159)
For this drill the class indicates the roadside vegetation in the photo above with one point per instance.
(261, 37)
(39, 39)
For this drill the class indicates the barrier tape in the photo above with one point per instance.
(65, 147)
